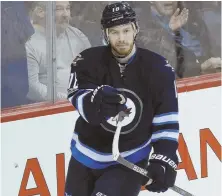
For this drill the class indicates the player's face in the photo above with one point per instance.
(62, 13)
(166, 8)
(121, 39)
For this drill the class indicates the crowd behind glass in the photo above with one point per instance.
(188, 34)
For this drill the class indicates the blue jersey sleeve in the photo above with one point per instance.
(165, 124)
(82, 82)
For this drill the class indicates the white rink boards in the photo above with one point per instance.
(41, 146)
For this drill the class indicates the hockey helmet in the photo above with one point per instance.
(117, 14)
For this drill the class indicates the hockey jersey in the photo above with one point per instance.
(153, 121)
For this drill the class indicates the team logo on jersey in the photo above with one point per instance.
(168, 65)
(121, 116)
(129, 117)
(78, 58)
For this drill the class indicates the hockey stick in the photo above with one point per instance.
(117, 157)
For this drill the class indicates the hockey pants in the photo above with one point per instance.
(112, 181)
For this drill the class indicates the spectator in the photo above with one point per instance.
(16, 29)
(69, 43)
(86, 17)
(210, 13)
(183, 40)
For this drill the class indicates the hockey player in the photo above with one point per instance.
(122, 77)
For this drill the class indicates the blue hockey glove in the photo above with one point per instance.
(108, 100)
(162, 170)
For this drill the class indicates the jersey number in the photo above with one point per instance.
(115, 9)
(73, 80)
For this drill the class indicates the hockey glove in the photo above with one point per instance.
(108, 100)
(162, 170)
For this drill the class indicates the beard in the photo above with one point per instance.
(122, 49)
(62, 23)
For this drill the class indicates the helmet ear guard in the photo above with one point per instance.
(105, 36)
(136, 27)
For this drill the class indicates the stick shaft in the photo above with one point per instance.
(117, 157)
(144, 172)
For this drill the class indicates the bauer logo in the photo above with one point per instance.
(165, 159)
(130, 117)
(140, 170)
(114, 19)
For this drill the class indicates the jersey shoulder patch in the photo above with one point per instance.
(78, 58)
(168, 65)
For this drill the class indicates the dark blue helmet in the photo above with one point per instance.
(117, 14)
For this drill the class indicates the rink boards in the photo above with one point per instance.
(35, 149)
